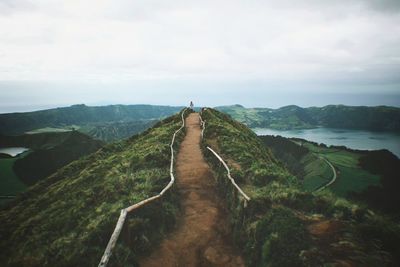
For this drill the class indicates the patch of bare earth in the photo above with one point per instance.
(328, 237)
(202, 237)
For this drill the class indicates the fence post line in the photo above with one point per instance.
(229, 174)
(121, 220)
(113, 240)
(247, 198)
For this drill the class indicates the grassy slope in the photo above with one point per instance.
(314, 171)
(350, 176)
(283, 225)
(67, 219)
(317, 172)
(54, 153)
(9, 182)
(48, 152)
(113, 131)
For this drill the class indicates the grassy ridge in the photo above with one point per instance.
(67, 218)
(283, 225)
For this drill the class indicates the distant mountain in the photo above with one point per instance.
(103, 122)
(111, 131)
(49, 152)
(381, 118)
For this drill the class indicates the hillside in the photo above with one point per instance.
(48, 152)
(67, 218)
(366, 176)
(113, 131)
(283, 225)
(107, 123)
(381, 118)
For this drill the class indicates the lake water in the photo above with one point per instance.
(13, 151)
(356, 139)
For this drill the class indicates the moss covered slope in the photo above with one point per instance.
(67, 218)
(283, 225)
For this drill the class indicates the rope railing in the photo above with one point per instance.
(122, 217)
(202, 124)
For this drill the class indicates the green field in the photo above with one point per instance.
(68, 217)
(317, 172)
(350, 176)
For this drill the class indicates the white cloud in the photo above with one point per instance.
(110, 41)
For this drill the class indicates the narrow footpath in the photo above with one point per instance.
(334, 175)
(202, 237)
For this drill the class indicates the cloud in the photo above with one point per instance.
(306, 42)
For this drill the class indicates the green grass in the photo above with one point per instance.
(343, 158)
(350, 177)
(272, 229)
(68, 218)
(317, 172)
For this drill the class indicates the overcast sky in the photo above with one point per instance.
(256, 53)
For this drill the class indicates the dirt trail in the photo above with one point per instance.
(201, 237)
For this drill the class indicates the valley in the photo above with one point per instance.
(199, 133)
(72, 210)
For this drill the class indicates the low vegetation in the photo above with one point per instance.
(67, 218)
(311, 167)
(284, 225)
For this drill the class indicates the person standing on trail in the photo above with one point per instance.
(191, 104)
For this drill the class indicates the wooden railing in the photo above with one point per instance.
(121, 220)
(203, 125)
(229, 174)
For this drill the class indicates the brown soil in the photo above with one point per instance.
(324, 228)
(202, 237)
